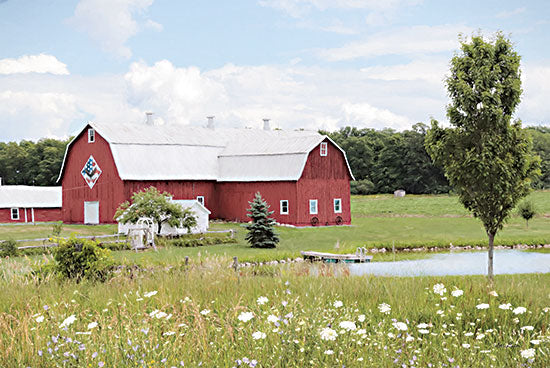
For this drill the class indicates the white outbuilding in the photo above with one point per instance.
(200, 212)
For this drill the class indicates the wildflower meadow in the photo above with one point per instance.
(209, 315)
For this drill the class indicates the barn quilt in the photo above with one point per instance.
(91, 172)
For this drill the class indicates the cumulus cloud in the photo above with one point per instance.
(534, 108)
(40, 63)
(111, 23)
(403, 41)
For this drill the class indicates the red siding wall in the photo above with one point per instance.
(324, 178)
(40, 215)
(108, 190)
(179, 189)
(233, 199)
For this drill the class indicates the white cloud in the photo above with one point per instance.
(534, 108)
(364, 112)
(111, 23)
(403, 41)
(510, 13)
(431, 70)
(298, 8)
(40, 63)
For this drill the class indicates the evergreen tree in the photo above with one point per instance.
(261, 233)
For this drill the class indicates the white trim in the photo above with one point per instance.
(11, 213)
(323, 149)
(26, 219)
(339, 205)
(91, 135)
(32, 215)
(200, 199)
(311, 201)
(281, 212)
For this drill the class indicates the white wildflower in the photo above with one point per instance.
(40, 319)
(328, 334)
(528, 353)
(423, 331)
(348, 325)
(423, 325)
(92, 325)
(168, 333)
(329, 352)
(245, 316)
(409, 338)
(469, 334)
(519, 310)
(535, 342)
(527, 328)
(272, 318)
(401, 326)
(439, 289)
(466, 346)
(262, 300)
(384, 308)
(258, 335)
(68, 321)
(337, 304)
(482, 306)
(505, 306)
(456, 293)
(493, 293)
(150, 294)
(361, 318)
(480, 336)
(204, 312)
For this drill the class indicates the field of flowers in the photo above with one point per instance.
(208, 315)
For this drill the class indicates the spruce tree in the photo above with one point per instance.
(261, 233)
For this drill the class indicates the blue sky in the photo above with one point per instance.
(303, 63)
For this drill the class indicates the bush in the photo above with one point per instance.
(56, 228)
(364, 186)
(9, 248)
(200, 242)
(81, 258)
(261, 231)
(526, 209)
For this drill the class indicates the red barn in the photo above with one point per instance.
(21, 204)
(303, 175)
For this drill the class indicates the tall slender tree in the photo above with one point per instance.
(486, 156)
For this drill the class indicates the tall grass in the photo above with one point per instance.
(198, 315)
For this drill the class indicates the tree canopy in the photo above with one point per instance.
(157, 206)
(486, 156)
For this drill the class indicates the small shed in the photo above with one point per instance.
(199, 211)
(29, 204)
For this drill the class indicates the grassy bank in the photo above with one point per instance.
(213, 316)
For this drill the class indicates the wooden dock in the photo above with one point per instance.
(358, 257)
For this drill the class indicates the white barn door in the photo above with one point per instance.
(91, 212)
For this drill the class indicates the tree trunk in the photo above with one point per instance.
(490, 273)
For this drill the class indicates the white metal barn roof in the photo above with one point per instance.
(176, 152)
(23, 196)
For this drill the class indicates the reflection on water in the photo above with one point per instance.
(464, 263)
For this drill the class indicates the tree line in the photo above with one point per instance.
(381, 160)
(386, 160)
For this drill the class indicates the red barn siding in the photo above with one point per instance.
(233, 199)
(324, 178)
(108, 190)
(179, 189)
(40, 215)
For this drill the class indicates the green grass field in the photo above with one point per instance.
(377, 220)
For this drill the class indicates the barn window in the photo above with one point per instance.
(284, 207)
(323, 149)
(312, 206)
(200, 199)
(91, 135)
(15, 213)
(337, 205)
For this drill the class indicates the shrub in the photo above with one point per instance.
(200, 242)
(56, 228)
(81, 258)
(261, 233)
(364, 186)
(9, 248)
(526, 209)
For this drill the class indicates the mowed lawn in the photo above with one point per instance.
(377, 220)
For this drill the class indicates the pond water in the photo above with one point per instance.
(459, 263)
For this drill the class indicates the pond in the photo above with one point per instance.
(459, 263)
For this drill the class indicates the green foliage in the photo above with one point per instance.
(157, 206)
(486, 157)
(81, 258)
(261, 232)
(57, 228)
(384, 160)
(30, 163)
(200, 242)
(527, 210)
(9, 248)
